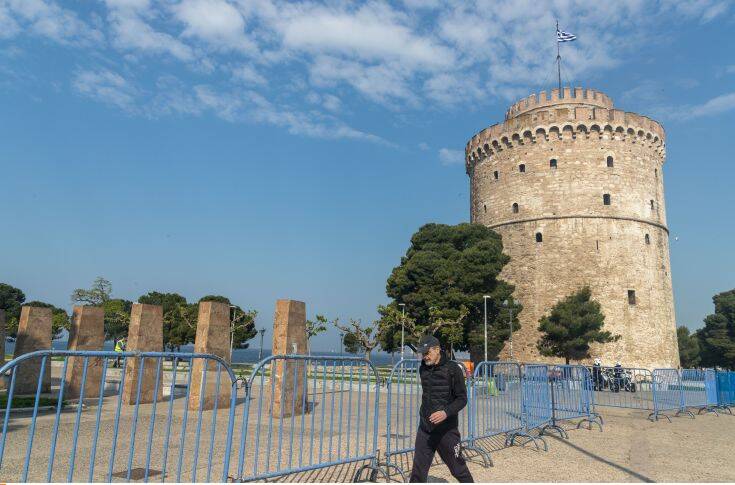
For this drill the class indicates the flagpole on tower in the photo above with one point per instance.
(558, 57)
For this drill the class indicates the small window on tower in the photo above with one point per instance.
(552, 163)
(496, 175)
(652, 205)
(484, 207)
(515, 207)
(606, 199)
(609, 161)
(631, 297)
(521, 168)
(648, 239)
(539, 237)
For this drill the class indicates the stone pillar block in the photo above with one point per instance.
(145, 334)
(2, 345)
(213, 337)
(34, 333)
(87, 333)
(289, 337)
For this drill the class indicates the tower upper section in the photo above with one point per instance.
(564, 116)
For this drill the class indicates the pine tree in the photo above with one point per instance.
(573, 324)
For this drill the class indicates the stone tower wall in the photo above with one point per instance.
(612, 248)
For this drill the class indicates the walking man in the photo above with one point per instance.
(443, 395)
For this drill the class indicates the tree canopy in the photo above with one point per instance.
(688, 348)
(573, 324)
(717, 337)
(442, 280)
(179, 320)
(117, 311)
(315, 327)
(11, 300)
(357, 337)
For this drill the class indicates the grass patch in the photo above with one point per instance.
(28, 401)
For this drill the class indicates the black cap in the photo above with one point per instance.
(427, 342)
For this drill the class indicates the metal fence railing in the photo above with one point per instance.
(106, 416)
(498, 403)
(309, 413)
(95, 416)
(622, 387)
(725, 382)
(571, 395)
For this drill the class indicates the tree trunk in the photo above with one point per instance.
(367, 354)
(567, 360)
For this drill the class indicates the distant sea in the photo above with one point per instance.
(239, 356)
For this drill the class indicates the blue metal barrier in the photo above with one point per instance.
(115, 426)
(710, 387)
(537, 406)
(622, 387)
(498, 402)
(571, 395)
(403, 387)
(668, 394)
(725, 389)
(308, 413)
(694, 389)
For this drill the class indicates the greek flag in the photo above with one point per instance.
(562, 36)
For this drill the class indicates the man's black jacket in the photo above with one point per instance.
(443, 389)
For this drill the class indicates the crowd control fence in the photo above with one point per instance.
(571, 395)
(538, 410)
(667, 394)
(97, 416)
(725, 389)
(308, 413)
(699, 390)
(622, 387)
(498, 403)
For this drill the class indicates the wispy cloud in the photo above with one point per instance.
(448, 156)
(47, 19)
(107, 87)
(294, 63)
(715, 106)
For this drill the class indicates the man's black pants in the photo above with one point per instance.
(449, 446)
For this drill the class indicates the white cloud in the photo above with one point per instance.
(217, 22)
(106, 86)
(714, 106)
(248, 75)
(131, 32)
(373, 32)
(451, 157)
(293, 63)
(423, 146)
(47, 19)
(378, 82)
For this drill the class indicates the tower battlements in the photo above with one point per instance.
(587, 113)
(590, 97)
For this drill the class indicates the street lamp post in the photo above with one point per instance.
(403, 326)
(509, 303)
(484, 298)
(341, 340)
(260, 352)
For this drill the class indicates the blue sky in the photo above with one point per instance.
(261, 149)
